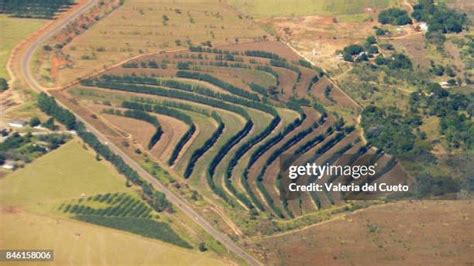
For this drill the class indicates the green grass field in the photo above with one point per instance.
(267, 8)
(78, 243)
(30, 198)
(12, 32)
(67, 173)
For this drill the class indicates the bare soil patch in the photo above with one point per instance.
(419, 232)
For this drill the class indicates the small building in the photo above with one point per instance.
(9, 165)
(17, 123)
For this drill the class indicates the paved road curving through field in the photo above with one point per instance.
(178, 202)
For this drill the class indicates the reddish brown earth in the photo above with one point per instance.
(401, 233)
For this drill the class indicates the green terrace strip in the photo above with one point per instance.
(184, 92)
(334, 157)
(141, 115)
(264, 54)
(322, 149)
(241, 151)
(168, 112)
(308, 65)
(155, 198)
(205, 147)
(220, 155)
(313, 81)
(224, 85)
(200, 49)
(261, 150)
(360, 151)
(207, 144)
(258, 89)
(270, 71)
(282, 64)
(231, 143)
(287, 145)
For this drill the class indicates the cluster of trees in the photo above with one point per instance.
(388, 129)
(198, 153)
(44, 9)
(3, 84)
(183, 65)
(396, 62)
(120, 205)
(394, 16)
(145, 64)
(440, 70)
(454, 110)
(438, 17)
(264, 54)
(54, 140)
(140, 226)
(159, 109)
(355, 52)
(225, 64)
(48, 105)
(225, 57)
(219, 83)
(201, 49)
(306, 64)
(26, 148)
(14, 141)
(428, 185)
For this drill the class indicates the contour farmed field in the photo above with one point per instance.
(240, 109)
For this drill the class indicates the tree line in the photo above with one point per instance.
(261, 150)
(234, 140)
(48, 105)
(159, 109)
(219, 83)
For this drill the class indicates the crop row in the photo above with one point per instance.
(168, 112)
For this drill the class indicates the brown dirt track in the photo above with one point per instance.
(407, 233)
